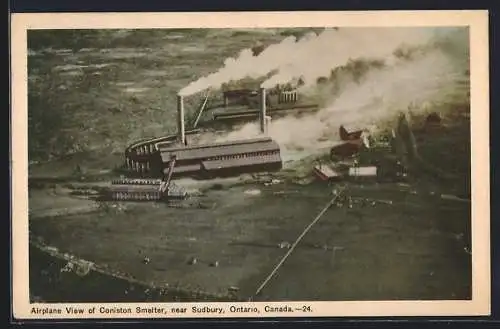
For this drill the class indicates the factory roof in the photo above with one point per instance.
(222, 149)
(208, 145)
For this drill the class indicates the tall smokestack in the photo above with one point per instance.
(180, 120)
(262, 116)
(268, 124)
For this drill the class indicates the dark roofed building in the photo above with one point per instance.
(223, 159)
(236, 93)
(240, 96)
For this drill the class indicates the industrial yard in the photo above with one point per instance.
(397, 238)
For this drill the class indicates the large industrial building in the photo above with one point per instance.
(153, 158)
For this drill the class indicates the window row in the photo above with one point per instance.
(242, 155)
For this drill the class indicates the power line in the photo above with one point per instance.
(315, 220)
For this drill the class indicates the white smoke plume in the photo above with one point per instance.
(311, 56)
(437, 71)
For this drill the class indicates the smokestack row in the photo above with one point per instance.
(287, 97)
(180, 120)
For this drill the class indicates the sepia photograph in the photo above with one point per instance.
(233, 170)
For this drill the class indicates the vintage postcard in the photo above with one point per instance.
(256, 165)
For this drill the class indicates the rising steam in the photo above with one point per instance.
(422, 67)
(311, 56)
